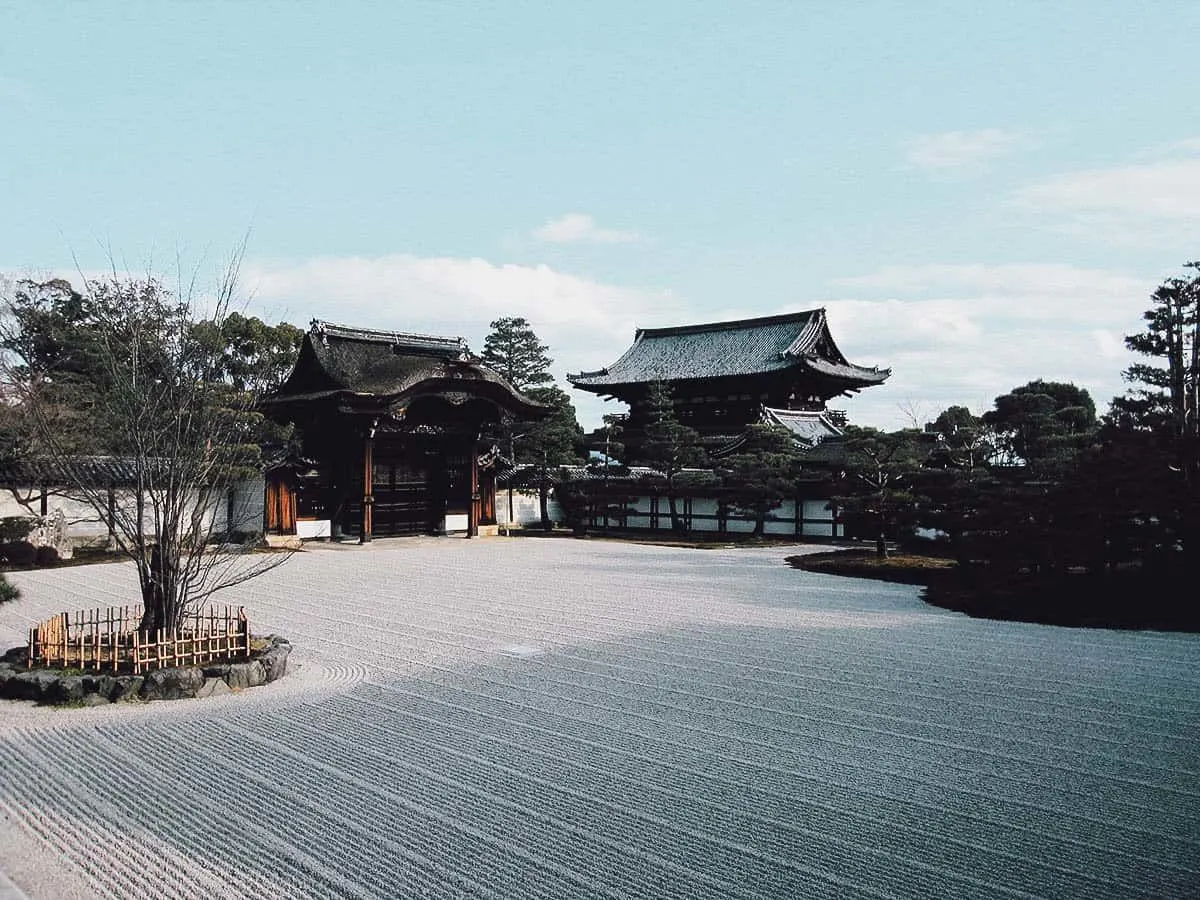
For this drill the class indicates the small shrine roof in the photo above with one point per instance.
(809, 428)
(741, 347)
(367, 364)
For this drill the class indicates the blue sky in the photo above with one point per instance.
(980, 194)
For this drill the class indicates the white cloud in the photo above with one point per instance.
(587, 324)
(964, 334)
(581, 228)
(1125, 204)
(958, 149)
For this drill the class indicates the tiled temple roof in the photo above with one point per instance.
(720, 349)
(340, 360)
(809, 428)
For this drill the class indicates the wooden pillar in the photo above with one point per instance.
(473, 506)
(368, 499)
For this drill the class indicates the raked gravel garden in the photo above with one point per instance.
(563, 718)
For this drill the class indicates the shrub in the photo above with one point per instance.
(8, 591)
(16, 528)
(20, 553)
(46, 556)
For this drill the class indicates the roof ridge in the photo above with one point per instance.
(354, 333)
(778, 319)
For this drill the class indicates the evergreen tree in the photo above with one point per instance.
(952, 481)
(762, 473)
(514, 351)
(555, 441)
(1165, 407)
(667, 445)
(880, 477)
(1042, 421)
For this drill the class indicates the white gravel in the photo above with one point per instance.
(558, 718)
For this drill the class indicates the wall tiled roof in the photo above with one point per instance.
(719, 349)
(89, 471)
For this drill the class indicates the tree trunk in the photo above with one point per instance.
(158, 597)
(676, 525)
(544, 504)
(760, 525)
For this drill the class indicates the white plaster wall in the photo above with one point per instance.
(821, 510)
(85, 526)
(527, 510)
(781, 521)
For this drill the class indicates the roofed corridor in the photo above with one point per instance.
(558, 718)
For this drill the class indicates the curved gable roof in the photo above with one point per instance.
(741, 347)
(339, 360)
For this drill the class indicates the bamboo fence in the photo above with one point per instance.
(108, 639)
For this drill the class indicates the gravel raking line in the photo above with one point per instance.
(558, 719)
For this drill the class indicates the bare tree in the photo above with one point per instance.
(137, 390)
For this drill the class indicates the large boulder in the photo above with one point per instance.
(213, 687)
(275, 658)
(171, 684)
(246, 675)
(37, 684)
(16, 656)
(102, 685)
(126, 688)
(67, 689)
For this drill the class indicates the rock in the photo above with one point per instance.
(220, 670)
(33, 685)
(275, 659)
(126, 688)
(66, 689)
(7, 674)
(171, 684)
(213, 687)
(95, 700)
(246, 675)
(17, 656)
(99, 684)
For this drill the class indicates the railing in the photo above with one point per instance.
(108, 639)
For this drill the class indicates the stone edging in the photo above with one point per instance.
(52, 687)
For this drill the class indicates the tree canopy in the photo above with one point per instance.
(122, 368)
(1042, 419)
(762, 472)
(667, 445)
(514, 351)
(879, 480)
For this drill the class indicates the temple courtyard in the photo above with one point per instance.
(562, 718)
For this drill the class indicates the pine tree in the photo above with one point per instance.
(763, 472)
(514, 351)
(667, 445)
(881, 469)
(1165, 407)
(554, 441)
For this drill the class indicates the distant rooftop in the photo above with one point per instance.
(808, 428)
(740, 347)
